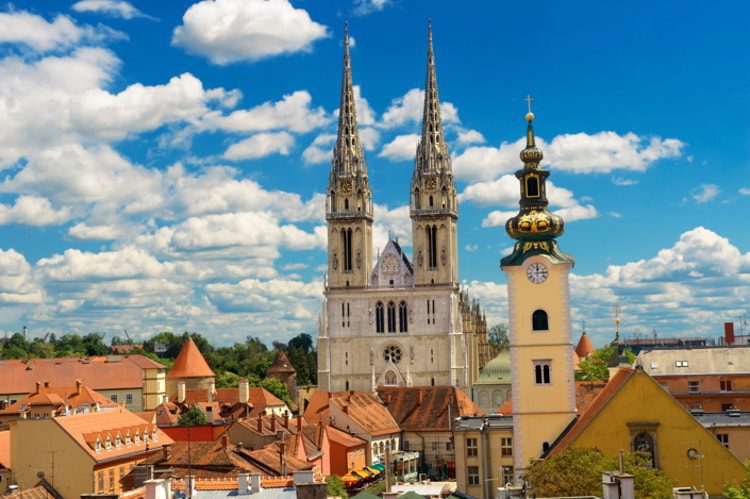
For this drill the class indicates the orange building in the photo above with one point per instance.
(702, 379)
(82, 453)
(47, 401)
(191, 368)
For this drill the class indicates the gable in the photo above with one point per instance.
(639, 406)
(392, 265)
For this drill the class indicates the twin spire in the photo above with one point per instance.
(348, 157)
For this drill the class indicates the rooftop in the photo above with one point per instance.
(429, 408)
(74, 397)
(709, 360)
(496, 371)
(190, 363)
(363, 408)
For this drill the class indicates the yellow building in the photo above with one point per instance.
(83, 453)
(543, 391)
(484, 454)
(633, 412)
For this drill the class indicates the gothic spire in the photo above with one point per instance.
(432, 153)
(348, 156)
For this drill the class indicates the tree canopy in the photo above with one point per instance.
(594, 367)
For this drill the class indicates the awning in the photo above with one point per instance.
(350, 478)
(379, 466)
(373, 470)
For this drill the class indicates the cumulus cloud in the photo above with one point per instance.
(260, 145)
(401, 148)
(364, 7)
(32, 210)
(470, 137)
(226, 31)
(602, 152)
(705, 193)
(37, 33)
(17, 284)
(320, 150)
(111, 8)
(408, 109)
(283, 297)
(744, 191)
(394, 221)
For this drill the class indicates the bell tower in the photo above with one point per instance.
(349, 201)
(541, 347)
(433, 205)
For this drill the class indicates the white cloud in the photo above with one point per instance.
(83, 231)
(260, 145)
(744, 191)
(284, 298)
(401, 148)
(369, 137)
(365, 114)
(112, 8)
(471, 247)
(17, 284)
(602, 152)
(76, 265)
(364, 7)
(317, 152)
(37, 33)
(470, 137)
(624, 182)
(705, 193)
(227, 31)
(408, 109)
(395, 222)
(292, 112)
(32, 210)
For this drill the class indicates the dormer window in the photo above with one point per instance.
(108, 443)
(128, 439)
(137, 438)
(118, 442)
(98, 445)
(145, 437)
(153, 435)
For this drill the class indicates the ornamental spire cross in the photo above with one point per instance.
(529, 99)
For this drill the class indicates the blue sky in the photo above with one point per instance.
(162, 163)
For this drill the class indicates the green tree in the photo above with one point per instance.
(335, 487)
(742, 490)
(594, 367)
(276, 388)
(192, 417)
(578, 472)
(498, 336)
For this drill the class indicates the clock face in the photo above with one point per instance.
(345, 186)
(537, 273)
(430, 183)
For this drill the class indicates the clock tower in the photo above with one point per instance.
(349, 200)
(539, 316)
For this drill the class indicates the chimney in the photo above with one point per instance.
(244, 391)
(243, 482)
(225, 441)
(345, 408)
(181, 392)
(299, 424)
(273, 423)
(254, 483)
(285, 419)
(729, 333)
(46, 384)
(165, 453)
(281, 458)
(419, 396)
(78, 386)
(38, 385)
(211, 390)
(260, 423)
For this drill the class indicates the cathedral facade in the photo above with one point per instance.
(399, 322)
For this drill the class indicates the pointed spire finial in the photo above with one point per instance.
(347, 61)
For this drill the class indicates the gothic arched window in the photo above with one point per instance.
(403, 317)
(379, 318)
(432, 246)
(539, 321)
(391, 317)
(390, 380)
(644, 442)
(417, 200)
(346, 244)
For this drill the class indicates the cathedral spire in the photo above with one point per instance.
(348, 156)
(534, 228)
(432, 153)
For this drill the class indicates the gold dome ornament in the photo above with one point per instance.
(534, 228)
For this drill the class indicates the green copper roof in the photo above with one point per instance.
(496, 371)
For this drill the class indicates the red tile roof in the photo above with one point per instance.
(60, 397)
(86, 428)
(429, 408)
(362, 407)
(190, 363)
(98, 373)
(343, 438)
(281, 365)
(585, 347)
(594, 407)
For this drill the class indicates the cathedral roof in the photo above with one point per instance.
(190, 363)
(497, 371)
(392, 261)
(585, 347)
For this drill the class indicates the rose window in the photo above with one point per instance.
(392, 353)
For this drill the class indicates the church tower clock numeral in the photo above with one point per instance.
(541, 349)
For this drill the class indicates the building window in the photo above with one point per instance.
(532, 187)
(346, 386)
(403, 317)
(392, 353)
(434, 446)
(432, 381)
(449, 445)
(506, 446)
(111, 479)
(726, 407)
(432, 246)
(471, 447)
(694, 386)
(539, 321)
(379, 318)
(725, 385)
(432, 356)
(506, 474)
(122, 473)
(345, 315)
(430, 311)
(100, 481)
(391, 317)
(644, 442)
(346, 244)
(346, 358)
(405, 444)
(129, 399)
(113, 398)
(681, 363)
(542, 372)
(473, 475)
(723, 438)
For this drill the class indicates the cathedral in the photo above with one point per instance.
(399, 322)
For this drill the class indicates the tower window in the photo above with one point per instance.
(542, 372)
(345, 315)
(346, 204)
(417, 200)
(346, 243)
(391, 317)
(432, 245)
(532, 187)
(432, 201)
(539, 321)
(333, 201)
(379, 318)
(403, 317)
